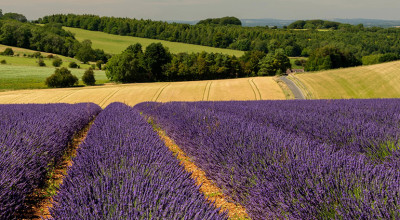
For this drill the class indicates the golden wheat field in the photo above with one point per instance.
(374, 81)
(256, 88)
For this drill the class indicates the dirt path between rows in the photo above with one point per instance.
(208, 188)
(40, 201)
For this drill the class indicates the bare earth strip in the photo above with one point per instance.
(208, 188)
(131, 94)
(40, 201)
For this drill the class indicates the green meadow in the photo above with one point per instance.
(13, 77)
(114, 44)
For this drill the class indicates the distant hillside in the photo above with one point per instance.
(280, 23)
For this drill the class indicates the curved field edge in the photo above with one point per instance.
(115, 44)
(257, 88)
(374, 81)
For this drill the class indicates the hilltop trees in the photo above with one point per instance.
(221, 21)
(314, 24)
(359, 40)
(50, 38)
(15, 16)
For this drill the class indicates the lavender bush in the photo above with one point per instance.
(291, 159)
(32, 136)
(124, 171)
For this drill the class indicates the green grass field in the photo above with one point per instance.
(27, 61)
(19, 60)
(374, 81)
(32, 77)
(114, 44)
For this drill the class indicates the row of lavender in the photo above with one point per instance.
(291, 159)
(362, 126)
(32, 137)
(124, 171)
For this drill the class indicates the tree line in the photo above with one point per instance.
(355, 39)
(50, 38)
(156, 63)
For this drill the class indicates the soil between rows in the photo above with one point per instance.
(40, 201)
(211, 191)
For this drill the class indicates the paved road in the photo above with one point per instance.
(295, 90)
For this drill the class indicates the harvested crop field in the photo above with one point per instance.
(259, 88)
(374, 81)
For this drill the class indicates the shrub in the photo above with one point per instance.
(3, 62)
(88, 77)
(99, 63)
(50, 56)
(62, 77)
(57, 62)
(8, 52)
(41, 62)
(37, 55)
(73, 65)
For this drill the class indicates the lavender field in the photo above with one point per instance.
(294, 159)
(320, 159)
(32, 136)
(124, 171)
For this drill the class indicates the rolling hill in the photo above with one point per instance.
(115, 44)
(374, 81)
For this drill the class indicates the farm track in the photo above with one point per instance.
(66, 96)
(211, 191)
(206, 93)
(104, 101)
(40, 201)
(293, 87)
(257, 94)
(158, 93)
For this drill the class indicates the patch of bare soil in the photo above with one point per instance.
(40, 201)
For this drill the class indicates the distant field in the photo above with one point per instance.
(33, 77)
(257, 88)
(374, 81)
(27, 61)
(114, 44)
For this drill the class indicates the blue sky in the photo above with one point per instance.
(200, 9)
